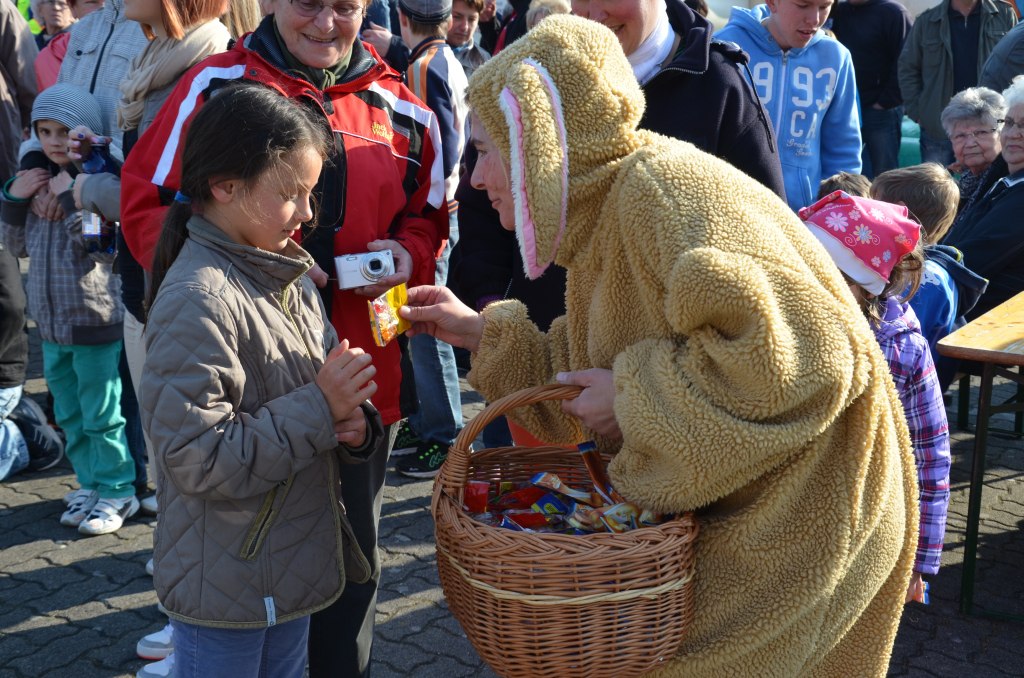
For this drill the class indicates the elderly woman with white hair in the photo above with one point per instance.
(970, 120)
(989, 231)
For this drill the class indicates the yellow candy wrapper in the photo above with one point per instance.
(384, 319)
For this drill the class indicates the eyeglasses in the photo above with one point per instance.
(1010, 123)
(312, 8)
(978, 134)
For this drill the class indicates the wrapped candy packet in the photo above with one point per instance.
(385, 323)
(598, 473)
(551, 481)
(551, 504)
(620, 517)
(517, 499)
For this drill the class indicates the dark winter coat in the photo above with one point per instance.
(704, 96)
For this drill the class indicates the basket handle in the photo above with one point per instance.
(459, 452)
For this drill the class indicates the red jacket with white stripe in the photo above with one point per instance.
(384, 178)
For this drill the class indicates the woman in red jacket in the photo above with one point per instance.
(382, 188)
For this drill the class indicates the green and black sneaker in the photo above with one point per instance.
(426, 463)
(406, 442)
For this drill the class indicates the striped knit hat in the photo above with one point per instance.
(69, 105)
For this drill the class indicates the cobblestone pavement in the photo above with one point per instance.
(75, 606)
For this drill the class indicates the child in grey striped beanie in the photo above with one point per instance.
(74, 298)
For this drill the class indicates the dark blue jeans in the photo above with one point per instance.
(882, 133)
(133, 425)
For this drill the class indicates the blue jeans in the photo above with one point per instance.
(882, 132)
(439, 418)
(273, 652)
(13, 449)
(86, 392)
(936, 150)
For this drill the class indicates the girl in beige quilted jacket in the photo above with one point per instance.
(251, 403)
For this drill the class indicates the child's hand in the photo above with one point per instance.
(46, 205)
(916, 589)
(60, 183)
(28, 182)
(346, 380)
(351, 430)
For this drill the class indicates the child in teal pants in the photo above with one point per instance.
(75, 300)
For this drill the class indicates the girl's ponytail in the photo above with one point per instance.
(172, 239)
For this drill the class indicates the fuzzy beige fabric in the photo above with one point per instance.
(749, 387)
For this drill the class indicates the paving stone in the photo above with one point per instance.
(74, 606)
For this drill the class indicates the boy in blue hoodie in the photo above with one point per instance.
(806, 82)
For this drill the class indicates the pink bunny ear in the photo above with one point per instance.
(539, 159)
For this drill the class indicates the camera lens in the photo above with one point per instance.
(373, 266)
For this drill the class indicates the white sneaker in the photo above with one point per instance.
(108, 515)
(80, 505)
(148, 505)
(161, 669)
(156, 645)
(149, 571)
(70, 496)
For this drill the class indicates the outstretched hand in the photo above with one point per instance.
(438, 312)
(595, 405)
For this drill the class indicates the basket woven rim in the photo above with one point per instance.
(541, 599)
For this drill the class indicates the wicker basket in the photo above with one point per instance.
(538, 604)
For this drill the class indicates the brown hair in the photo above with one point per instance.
(854, 184)
(927, 190)
(242, 132)
(180, 15)
(475, 5)
(437, 29)
(904, 280)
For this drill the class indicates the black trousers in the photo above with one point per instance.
(341, 636)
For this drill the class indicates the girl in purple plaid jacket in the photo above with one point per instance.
(877, 247)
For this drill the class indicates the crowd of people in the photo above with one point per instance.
(705, 228)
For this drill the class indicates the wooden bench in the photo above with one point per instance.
(996, 341)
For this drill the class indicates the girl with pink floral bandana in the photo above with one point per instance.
(877, 247)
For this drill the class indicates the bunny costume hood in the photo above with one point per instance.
(747, 385)
(525, 113)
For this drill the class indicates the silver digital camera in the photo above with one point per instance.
(357, 270)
